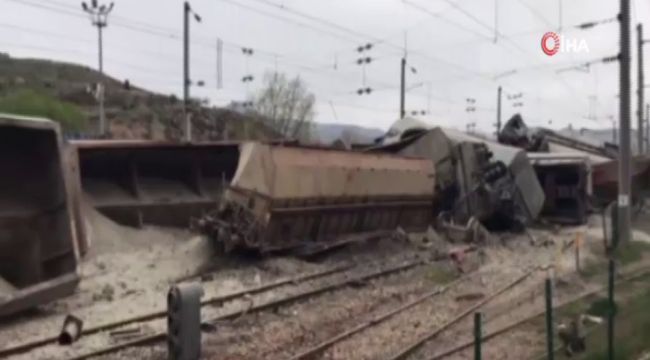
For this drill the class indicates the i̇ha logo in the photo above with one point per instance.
(550, 51)
(553, 43)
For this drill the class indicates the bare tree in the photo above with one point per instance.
(287, 106)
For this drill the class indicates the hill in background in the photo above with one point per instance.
(64, 93)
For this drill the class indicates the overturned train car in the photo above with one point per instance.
(38, 252)
(493, 183)
(285, 197)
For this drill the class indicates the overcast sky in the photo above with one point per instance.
(450, 44)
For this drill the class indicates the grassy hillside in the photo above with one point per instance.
(62, 92)
(31, 102)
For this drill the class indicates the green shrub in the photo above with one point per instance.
(32, 103)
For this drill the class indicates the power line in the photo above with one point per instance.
(357, 33)
(512, 42)
(143, 70)
(536, 13)
(140, 27)
(444, 19)
(159, 55)
(137, 28)
(288, 19)
(155, 32)
(314, 18)
(592, 24)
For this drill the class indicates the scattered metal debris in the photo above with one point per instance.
(458, 254)
(516, 133)
(71, 330)
(472, 232)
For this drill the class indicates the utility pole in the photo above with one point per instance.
(624, 181)
(402, 92)
(647, 127)
(186, 67)
(186, 58)
(99, 18)
(498, 111)
(639, 30)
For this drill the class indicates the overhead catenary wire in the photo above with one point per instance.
(269, 7)
(367, 37)
(143, 28)
(228, 46)
(157, 75)
(444, 19)
(536, 13)
(232, 48)
(508, 40)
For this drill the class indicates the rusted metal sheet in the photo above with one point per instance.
(38, 253)
(283, 197)
(163, 183)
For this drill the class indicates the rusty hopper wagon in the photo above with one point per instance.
(38, 256)
(287, 197)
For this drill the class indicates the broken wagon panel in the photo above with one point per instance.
(136, 182)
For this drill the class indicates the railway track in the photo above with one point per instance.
(367, 326)
(217, 300)
(315, 284)
(409, 349)
(523, 320)
(374, 321)
(511, 306)
(329, 280)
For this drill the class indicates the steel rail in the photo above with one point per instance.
(378, 319)
(515, 324)
(409, 349)
(160, 336)
(162, 313)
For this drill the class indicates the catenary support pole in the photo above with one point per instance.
(624, 181)
(647, 127)
(186, 59)
(640, 91)
(498, 125)
(402, 92)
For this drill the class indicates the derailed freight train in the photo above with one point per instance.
(475, 178)
(284, 197)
